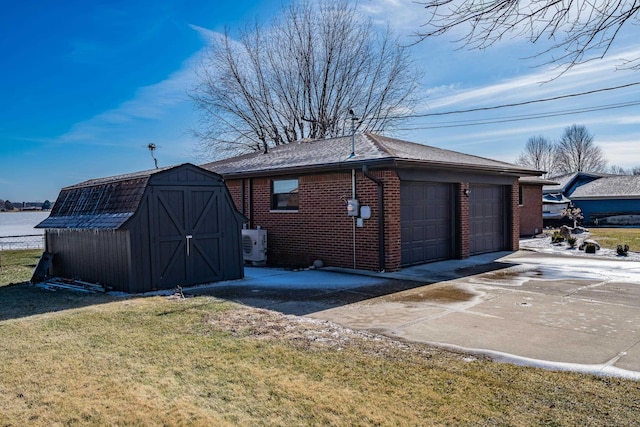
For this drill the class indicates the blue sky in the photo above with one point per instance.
(87, 85)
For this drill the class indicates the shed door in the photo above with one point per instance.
(487, 219)
(188, 231)
(426, 217)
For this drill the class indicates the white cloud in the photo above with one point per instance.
(628, 120)
(622, 152)
(150, 103)
(205, 34)
(535, 85)
(400, 15)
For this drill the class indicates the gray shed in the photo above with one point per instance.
(146, 231)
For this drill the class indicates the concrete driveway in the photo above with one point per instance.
(558, 312)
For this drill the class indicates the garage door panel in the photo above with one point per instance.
(426, 222)
(487, 219)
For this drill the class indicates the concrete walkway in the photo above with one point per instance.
(559, 312)
(570, 313)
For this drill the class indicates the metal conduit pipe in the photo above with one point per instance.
(381, 240)
(242, 194)
(250, 207)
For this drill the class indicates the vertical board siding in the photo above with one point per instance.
(597, 209)
(140, 255)
(91, 255)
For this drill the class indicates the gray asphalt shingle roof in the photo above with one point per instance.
(563, 182)
(610, 187)
(334, 152)
(536, 180)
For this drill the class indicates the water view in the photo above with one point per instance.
(16, 230)
(21, 223)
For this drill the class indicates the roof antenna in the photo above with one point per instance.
(152, 147)
(354, 119)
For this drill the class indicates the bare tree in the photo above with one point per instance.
(579, 30)
(576, 152)
(299, 77)
(539, 153)
(618, 170)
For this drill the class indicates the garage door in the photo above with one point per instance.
(426, 219)
(486, 219)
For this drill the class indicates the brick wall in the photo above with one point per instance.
(462, 210)
(393, 243)
(531, 210)
(321, 229)
(515, 217)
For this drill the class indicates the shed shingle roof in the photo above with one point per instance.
(335, 152)
(102, 203)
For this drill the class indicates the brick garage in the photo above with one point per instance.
(320, 228)
(312, 222)
(530, 205)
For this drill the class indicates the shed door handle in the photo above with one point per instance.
(188, 237)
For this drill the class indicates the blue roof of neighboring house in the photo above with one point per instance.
(610, 187)
(567, 184)
(555, 198)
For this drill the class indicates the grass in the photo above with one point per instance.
(91, 359)
(86, 359)
(17, 265)
(612, 237)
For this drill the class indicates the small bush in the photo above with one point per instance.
(571, 241)
(622, 250)
(590, 248)
(557, 237)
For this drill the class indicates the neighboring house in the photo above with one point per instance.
(603, 198)
(610, 200)
(148, 230)
(381, 205)
(556, 197)
(530, 204)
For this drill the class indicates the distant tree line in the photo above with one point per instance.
(8, 206)
(619, 170)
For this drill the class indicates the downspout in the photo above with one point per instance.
(381, 240)
(250, 202)
(353, 219)
(242, 196)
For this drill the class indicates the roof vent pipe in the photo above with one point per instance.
(354, 119)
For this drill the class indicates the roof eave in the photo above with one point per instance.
(324, 167)
(375, 163)
(471, 167)
(607, 197)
